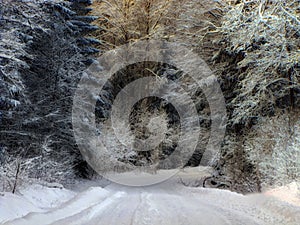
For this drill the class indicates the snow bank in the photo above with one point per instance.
(14, 206)
(45, 197)
(34, 198)
(52, 197)
(289, 193)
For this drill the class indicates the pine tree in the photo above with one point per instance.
(38, 87)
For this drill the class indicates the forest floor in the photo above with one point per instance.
(167, 203)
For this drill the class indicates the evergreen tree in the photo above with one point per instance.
(42, 59)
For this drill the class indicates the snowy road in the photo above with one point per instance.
(165, 204)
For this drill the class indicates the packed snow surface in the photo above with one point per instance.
(168, 203)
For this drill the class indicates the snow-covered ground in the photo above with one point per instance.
(33, 198)
(168, 203)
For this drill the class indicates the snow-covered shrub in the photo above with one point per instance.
(12, 174)
(16, 171)
(274, 148)
(124, 151)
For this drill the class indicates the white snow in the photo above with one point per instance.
(14, 206)
(34, 198)
(45, 197)
(168, 203)
(289, 193)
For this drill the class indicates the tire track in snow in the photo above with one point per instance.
(163, 205)
(122, 213)
(86, 216)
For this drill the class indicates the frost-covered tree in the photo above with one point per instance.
(259, 61)
(274, 148)
(264, 38)
(12, 59)
(183, 21)
(124, 22)
(54, 35)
